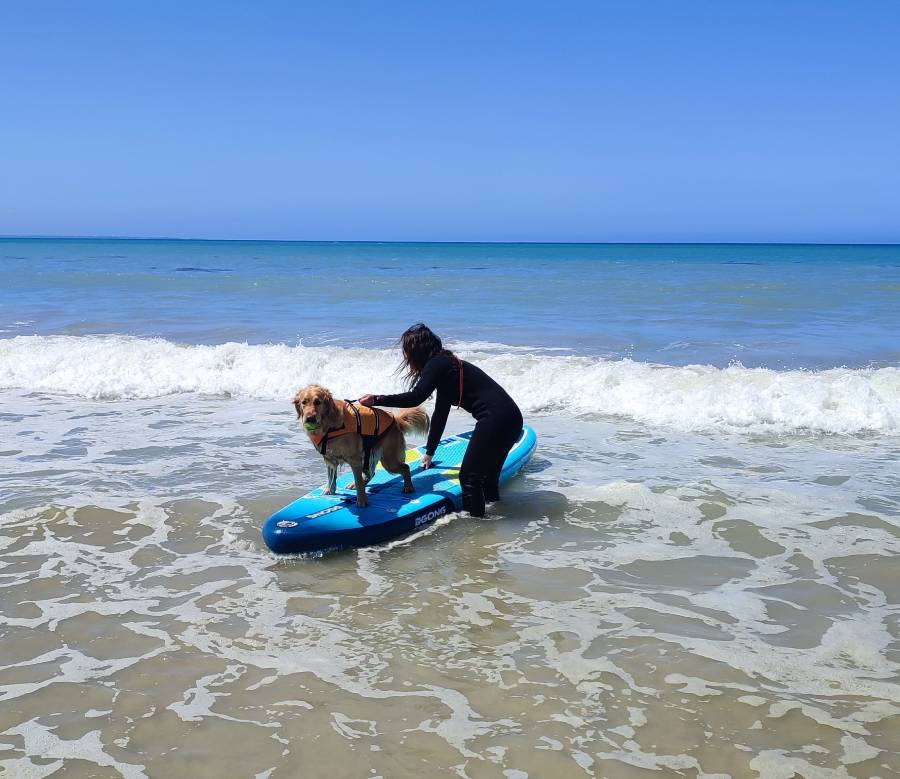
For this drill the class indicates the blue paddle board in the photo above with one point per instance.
(318, 522)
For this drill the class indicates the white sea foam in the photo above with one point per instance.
(696, 397)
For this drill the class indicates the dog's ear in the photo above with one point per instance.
(329, 407)
(296, 404)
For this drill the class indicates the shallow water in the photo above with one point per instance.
(697, 575)
(639, 601)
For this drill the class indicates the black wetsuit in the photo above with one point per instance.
(498, 422)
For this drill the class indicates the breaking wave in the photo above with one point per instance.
(691, 398)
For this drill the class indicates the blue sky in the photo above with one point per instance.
(600, 121)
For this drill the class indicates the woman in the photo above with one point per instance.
(429, 367)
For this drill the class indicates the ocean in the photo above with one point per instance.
(697, 575)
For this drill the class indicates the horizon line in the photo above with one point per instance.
(471, 242)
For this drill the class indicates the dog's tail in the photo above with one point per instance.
(414, 419)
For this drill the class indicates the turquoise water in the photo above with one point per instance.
(779, 306)
(696, 574)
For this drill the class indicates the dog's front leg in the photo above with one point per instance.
(332, 466)
(360, 481)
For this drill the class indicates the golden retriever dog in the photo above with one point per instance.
(345, 432)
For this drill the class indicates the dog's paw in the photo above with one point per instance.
(407, 490)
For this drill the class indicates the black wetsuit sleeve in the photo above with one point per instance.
(433, 372)
(438, 422)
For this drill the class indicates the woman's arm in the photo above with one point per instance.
(431, 375)
(438, 423)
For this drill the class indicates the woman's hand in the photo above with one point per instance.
(426, 461)
(367, 400)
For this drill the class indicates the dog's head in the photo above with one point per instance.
(316, 409)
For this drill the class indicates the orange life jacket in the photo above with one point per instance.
(367, 422)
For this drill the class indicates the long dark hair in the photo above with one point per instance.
(419, 344)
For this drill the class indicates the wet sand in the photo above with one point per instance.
(641, 603)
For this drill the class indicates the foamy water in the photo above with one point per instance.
(693, 397)
(696, 576)
(639, 600)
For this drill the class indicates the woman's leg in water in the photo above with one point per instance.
(479, 473)
(501, 450)
(508, 430)
(472, 469)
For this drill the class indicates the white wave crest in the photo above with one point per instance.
(691, 398)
